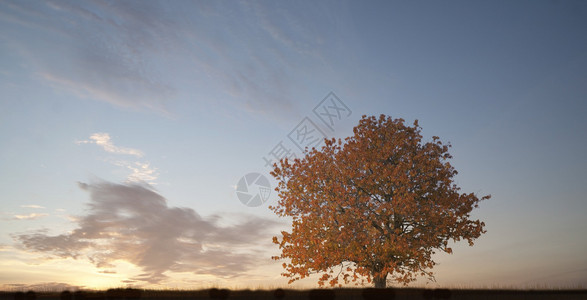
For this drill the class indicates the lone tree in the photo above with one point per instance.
(380, 203)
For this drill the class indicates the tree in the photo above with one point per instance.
(380, 203)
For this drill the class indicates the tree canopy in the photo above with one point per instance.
(379, 203)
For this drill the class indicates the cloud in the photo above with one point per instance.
(146, 55)
(103, 140)
(93, 50)
(132, 223)
(32, 206)
(141, 171)
(32, 216)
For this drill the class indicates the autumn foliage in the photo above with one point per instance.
(379, 203)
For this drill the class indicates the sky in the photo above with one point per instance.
(134, 135)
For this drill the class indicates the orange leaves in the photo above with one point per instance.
(381, 200)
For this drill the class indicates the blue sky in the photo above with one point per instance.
(103, 104)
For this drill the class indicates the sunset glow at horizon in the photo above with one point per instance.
(128, 128)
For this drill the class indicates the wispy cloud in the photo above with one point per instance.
(32, 206)
(103, 140)
(141, 171)
(31, 216)
(105, 50)
(145, 55)
(132, 223)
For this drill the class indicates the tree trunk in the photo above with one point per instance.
(380, 281)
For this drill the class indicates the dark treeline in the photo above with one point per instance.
(315, 294)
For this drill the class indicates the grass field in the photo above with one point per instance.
(316, 294)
